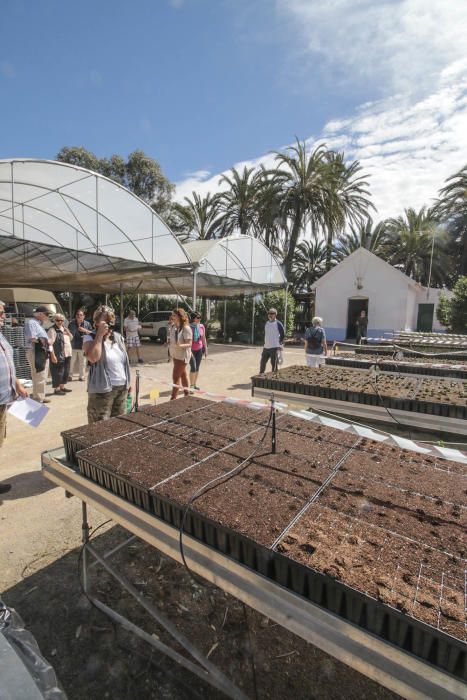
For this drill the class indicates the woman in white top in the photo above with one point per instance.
(131, 327)
(179, 340)
(109, 368)
(60, 338)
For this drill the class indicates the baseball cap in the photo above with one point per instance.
(41, 309)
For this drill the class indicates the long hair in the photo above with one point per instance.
(182, 315)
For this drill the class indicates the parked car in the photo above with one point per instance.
(154, 325)
(21, 301)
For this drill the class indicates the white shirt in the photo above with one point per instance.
(271, 335)
(131, 325)
(115, 361)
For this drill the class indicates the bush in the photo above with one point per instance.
(239, 315)
(457, 307)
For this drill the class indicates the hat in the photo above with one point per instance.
(272, 311)
(41, 309)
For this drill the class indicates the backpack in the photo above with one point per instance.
(315, 340)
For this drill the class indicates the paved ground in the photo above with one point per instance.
(39, 545)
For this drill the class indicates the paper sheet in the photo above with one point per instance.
(30, 411)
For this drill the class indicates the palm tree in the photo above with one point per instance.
(198, 218)
(237, 204)
(302, 178)
(346, 199)
(452, 207)
(415, 245)
(268, 213)
(308, 264)
(365, 235)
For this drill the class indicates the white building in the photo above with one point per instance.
(393, 301)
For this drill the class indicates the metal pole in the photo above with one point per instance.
(195, 272)
(273, 436)
(225, 319)
(121, 307)
(85, 540)
(253, 322)
(431, 264)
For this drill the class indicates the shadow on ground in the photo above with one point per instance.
(27, 484)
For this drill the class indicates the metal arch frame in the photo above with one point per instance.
(389, 666)
(98, 176)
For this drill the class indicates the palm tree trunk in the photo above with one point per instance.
(297, 225)
(329, 249)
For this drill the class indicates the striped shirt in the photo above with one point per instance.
(7, 372)
(33, 329)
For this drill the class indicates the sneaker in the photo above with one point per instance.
(70, 379)
(196, 387)
(57, 392)
(141, 362)
(4, 488)
(67, 390)
(45, 401)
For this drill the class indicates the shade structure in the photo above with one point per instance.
(231, 265)
(63, 227)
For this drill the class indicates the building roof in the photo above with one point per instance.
(362, 256)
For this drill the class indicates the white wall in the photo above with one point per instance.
(387, 294)
(432, 298)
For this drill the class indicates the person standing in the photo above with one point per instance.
(362, 327)
(60, 359)
(109, 368)
(198, 347)
(179, 342)
(10, 387)
(273, 338)
(79, 327)
(38, 349)
(131, 327)
(316, 347)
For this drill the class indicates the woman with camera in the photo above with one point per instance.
(109, 368)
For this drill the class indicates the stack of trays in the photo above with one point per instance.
(372, 533)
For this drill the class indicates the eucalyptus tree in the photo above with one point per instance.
(364, 235)
(451, 207)
(416, 246)
(347, 199)
(237, 203)
(197, 218)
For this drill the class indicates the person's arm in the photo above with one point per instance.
(187, 336)
(52, 336)
(281, 332)
(20, 390)
(324, 343)
(67, 332)
(29, 331)
(93, 349)
(205, 342)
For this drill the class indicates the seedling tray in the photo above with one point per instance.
(402, 367)
(440, 352)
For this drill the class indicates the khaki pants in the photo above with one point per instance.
(3, 409)
(38, 378)
(108, 405)
(78, 364)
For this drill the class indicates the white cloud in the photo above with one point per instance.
(407, 150)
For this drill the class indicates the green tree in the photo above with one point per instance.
(308, 264)
(240, 312)
(365, 235)
(198, 217)
(453, 312)
(412, 239)
(452, 208)
(139, 173)
(268, 220)
(237, 204)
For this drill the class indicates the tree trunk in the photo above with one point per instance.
(297, 224)
(329, 250)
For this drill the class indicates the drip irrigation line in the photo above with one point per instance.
(213, 483)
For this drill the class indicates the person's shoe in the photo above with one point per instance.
(81, 379)
(141, 362)
(45, 401)
(70, 379)
(67, 390)
(58, 392)
(4, 488)
(196, 387)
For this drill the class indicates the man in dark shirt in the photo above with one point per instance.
(362, 327)
(79, 328)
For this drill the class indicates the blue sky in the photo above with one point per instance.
(201, 85)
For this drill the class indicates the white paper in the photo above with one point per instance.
(30, 411)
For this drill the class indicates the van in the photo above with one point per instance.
(20, 302)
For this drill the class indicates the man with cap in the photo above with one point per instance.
(10, 387)
(35, 333)
(273, 338)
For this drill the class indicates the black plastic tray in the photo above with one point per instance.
(413, 405)
(399, 368)
(120, 485)
(441, 353)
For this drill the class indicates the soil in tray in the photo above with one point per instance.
(175, 408)
(140, 461)
(415, 579)
(320, 433)
(249, 415)
(88, 435)
(418, 475)
(431, 521)
(217, 424)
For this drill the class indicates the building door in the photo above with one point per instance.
(353, 312)
(425, 317)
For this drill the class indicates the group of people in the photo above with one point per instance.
(316, 347)
(187, 344)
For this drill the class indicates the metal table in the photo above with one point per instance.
(400, 672)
